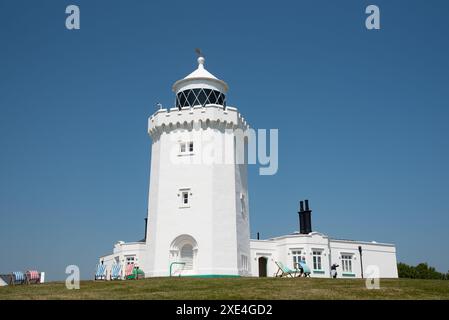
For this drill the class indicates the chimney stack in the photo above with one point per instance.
(305, 219)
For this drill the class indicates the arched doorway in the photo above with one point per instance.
(183, 253)
(263, 266)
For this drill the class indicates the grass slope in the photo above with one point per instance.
(236, 288)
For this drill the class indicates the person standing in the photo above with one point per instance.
(334, 270)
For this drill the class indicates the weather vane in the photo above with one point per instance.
(198, 52)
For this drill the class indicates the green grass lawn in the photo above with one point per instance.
(233, 288)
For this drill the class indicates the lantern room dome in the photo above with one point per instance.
(200, 88)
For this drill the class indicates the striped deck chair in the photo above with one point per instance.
(101, 272)
(129, 271)
(32, 276)
(284, 271)
(17, 277)
(116, 271)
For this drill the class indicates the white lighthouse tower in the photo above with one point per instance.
(198, 217)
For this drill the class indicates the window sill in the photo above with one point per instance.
(186, 154)
(318, 271)
(184, 207)
(347, 274)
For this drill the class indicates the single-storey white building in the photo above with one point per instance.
(198, 214)
(319, 252)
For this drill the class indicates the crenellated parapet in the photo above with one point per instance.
(209, 116)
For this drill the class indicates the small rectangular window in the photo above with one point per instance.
(130, 259)
(182, 147)
(186, 148)
(184, 195)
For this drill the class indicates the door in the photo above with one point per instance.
(262, 267)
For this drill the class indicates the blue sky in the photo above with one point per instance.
(363, 119)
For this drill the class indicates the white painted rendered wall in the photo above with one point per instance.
(213, 216)
(380, 255)
(120, 252)
(267, 249)
(242, 217)
(280, 248)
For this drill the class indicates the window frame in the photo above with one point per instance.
(186, 148)
(130, 259)
(199, 97)
(317, 259)
(185, 198)
(297, 256)
(346, 262)
(185, 194)
(182, 147)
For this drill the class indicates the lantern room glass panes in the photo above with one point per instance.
(199, 97)
(190, 98)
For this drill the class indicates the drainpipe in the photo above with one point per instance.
(330, 255)
(361, 261)
(146, 224)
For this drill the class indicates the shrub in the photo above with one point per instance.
(421, 271)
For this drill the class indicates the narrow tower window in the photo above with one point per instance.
(185, 197)
(182, 147)
(186, 148)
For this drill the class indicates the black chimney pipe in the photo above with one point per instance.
(258, 238)
(305, 219)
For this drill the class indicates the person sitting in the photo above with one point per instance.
(299, 267)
